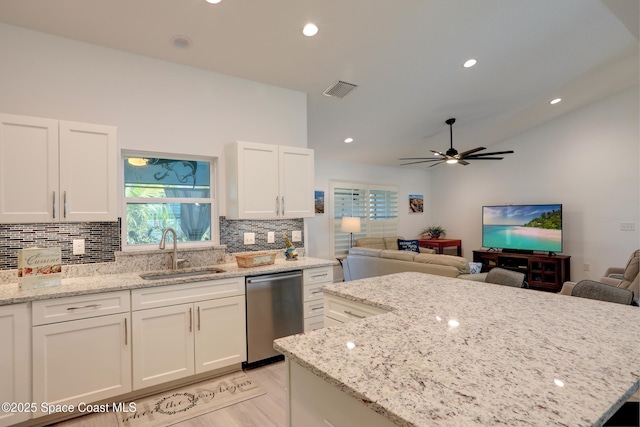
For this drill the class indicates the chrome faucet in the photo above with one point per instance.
(175, 260)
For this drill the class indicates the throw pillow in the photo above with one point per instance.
(408, 245)
(475, 267)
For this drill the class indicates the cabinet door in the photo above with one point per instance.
(88, 168)
(257, 181)
(163, 347)
(15, 379)
(220, 333)
(81, 360)
(296, 182)
(28, 169)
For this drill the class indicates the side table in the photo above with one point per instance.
(440, 244)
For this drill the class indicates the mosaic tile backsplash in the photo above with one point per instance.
(102, 240)
(232, 233)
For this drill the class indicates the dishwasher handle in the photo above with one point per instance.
(262, 279)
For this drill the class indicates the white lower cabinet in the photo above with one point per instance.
(81, 360)
(220, 339)
(313, 280)
(163, 348)
(15, 361)
(340, 310)
(188, 331)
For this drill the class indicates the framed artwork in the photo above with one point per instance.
(319, 201)
(416, 203)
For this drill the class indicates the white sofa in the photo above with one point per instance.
(373, 257)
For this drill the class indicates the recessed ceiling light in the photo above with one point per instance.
(310, 30)
(555, 101)
(181, 42)
(214, 1)
(348, 140)
(469, 63)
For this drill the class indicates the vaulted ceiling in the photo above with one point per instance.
(405, 56)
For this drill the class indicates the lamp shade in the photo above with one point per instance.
(350, 224)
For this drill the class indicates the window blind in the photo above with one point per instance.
(375, 205)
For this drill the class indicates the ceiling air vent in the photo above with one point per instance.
(339, 89)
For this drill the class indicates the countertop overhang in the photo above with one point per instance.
(10, 293)
(458, 353)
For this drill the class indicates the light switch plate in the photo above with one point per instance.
(78, 246)
(271, 237)
(627, 226)
(249, 238)
(296, 236)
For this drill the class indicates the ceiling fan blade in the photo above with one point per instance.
(462, 162)
(436, 164)
(418, 158)
(492, 153)
(438, 153)
(466, 153)
(484, 158)
(421, 161)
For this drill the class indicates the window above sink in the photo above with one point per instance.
(162, 191)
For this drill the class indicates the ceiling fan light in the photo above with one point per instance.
(452, 161)
(137, 161)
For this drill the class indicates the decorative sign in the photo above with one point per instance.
(39, 267)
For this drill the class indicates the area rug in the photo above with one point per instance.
(187, 402)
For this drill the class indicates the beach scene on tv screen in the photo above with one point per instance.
(532, 227)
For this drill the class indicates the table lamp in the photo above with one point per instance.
(350, 225)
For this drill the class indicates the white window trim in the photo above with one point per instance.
(368, 231)
(213, 185)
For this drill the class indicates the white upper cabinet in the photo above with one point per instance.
(54, 171)
(88, 172)
(28, 168)
(268, 181)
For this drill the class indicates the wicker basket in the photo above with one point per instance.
(256, 259)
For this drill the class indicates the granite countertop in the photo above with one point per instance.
(10, 293)
(458, 353)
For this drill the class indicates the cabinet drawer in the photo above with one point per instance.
(312, 292)
(312, 308)
(161, 296)
(80, 307)
(317, 275)
(347, 311)
(313, 323)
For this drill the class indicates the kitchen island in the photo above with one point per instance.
(451, 352)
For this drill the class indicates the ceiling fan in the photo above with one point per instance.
(452, 155)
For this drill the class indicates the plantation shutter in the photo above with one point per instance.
(375, 205)
(383, 212)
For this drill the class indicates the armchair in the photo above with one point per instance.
(626, 277)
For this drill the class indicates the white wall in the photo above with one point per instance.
(587, 160)
(409, 181)
(156, 105)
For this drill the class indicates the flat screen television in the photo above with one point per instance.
(522, 228)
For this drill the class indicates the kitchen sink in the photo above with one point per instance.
(173, 274)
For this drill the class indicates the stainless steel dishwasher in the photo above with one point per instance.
(274, 310)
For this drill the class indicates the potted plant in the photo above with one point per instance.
(433, 232)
